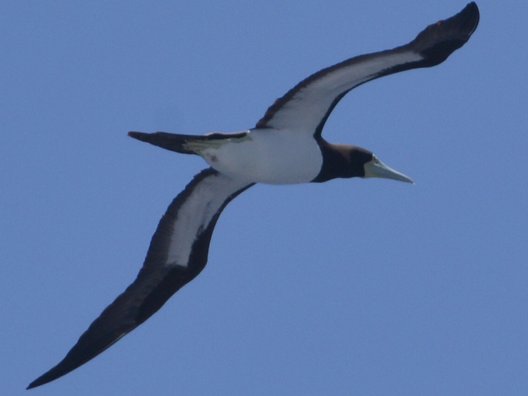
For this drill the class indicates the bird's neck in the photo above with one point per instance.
(336, 162)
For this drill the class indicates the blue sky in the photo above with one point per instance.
(365, 287)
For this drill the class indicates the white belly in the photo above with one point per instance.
(268, 156)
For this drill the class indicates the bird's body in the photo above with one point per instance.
(285, 147)
(266, 156)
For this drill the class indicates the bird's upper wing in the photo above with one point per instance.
(306, 107)
(177, 253)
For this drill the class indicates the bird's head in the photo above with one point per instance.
(345, 161)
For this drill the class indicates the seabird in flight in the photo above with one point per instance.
(285, 147)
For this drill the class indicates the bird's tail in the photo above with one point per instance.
(185, 144)
(170, 141)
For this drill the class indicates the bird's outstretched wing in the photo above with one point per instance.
(306, 107)
(177, 253)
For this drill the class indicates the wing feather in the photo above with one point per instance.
(306, 107)
(177, 254)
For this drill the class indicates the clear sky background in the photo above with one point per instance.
(351, 287)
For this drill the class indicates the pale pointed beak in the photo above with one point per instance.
(376, 168)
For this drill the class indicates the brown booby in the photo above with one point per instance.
(286, 146)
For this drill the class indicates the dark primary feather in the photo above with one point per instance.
(176, 142)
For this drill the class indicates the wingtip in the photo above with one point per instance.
(137, 135)
(472, 6)
(38, 382)
(470, 15)
(48, 376)
(69, 363)
(439, 40)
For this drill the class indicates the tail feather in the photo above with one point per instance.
(169, 141)
(180, 143)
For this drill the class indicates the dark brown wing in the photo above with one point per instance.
(306, 107)
(177, 253)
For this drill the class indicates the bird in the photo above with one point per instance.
(285, 147)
